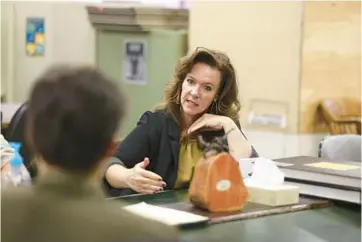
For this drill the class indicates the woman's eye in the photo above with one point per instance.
(207, 88)
(190, 81)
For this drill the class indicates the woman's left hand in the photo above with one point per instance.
(213, 122)
(239, 147)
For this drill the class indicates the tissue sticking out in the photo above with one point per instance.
(266, 174)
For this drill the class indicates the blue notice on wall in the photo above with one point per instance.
(35, 37)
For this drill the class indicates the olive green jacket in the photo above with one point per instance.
(62, 208)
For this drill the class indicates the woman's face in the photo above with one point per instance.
(199, 89)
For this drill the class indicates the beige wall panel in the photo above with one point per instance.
(331, 57)
(70, 39)
(263, 41)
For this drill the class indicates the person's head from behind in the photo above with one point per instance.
(204, 82)
(73, 115)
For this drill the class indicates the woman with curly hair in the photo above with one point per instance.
(162, 151)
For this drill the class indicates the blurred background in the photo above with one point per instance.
(298, 63)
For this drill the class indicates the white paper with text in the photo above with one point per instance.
(165, 215)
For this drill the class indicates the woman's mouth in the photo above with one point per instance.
(192, 103)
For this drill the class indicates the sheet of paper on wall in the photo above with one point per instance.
(270, 114)
(168, 216)
(35, 36)
(134, 62)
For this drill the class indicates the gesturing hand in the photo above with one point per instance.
(143, 181)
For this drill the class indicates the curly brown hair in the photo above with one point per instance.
(227, 103)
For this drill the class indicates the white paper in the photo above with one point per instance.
(262, 172)
(165, 215)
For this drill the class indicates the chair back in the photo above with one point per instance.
(16, 133)
(341, 147)
(342, 115)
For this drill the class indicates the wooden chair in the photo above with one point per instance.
(342, 115)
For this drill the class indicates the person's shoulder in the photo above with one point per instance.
(9, 194)
(156, 117)
(15, 199)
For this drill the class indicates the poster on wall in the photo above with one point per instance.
(35, 37)
(134, 68)
(271, 114)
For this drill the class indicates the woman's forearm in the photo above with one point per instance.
(116, 175)
(239, 147)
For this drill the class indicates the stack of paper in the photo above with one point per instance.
(165, 215)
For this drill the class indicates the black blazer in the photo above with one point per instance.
(156, 136)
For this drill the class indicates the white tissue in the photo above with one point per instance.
(264, 172)
(246, 167)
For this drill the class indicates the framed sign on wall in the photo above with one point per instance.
(35, 36)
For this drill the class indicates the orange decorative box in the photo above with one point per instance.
(217, 184)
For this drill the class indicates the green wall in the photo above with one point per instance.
(163, 50)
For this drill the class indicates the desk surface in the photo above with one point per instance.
(338, 223)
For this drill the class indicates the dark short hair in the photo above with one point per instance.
(73, 114)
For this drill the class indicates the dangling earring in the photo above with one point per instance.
(178, 99)
(214, 106)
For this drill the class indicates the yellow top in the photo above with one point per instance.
(189, 156)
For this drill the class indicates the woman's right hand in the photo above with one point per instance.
(143, 181)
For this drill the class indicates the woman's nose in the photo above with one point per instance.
(195, 92)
